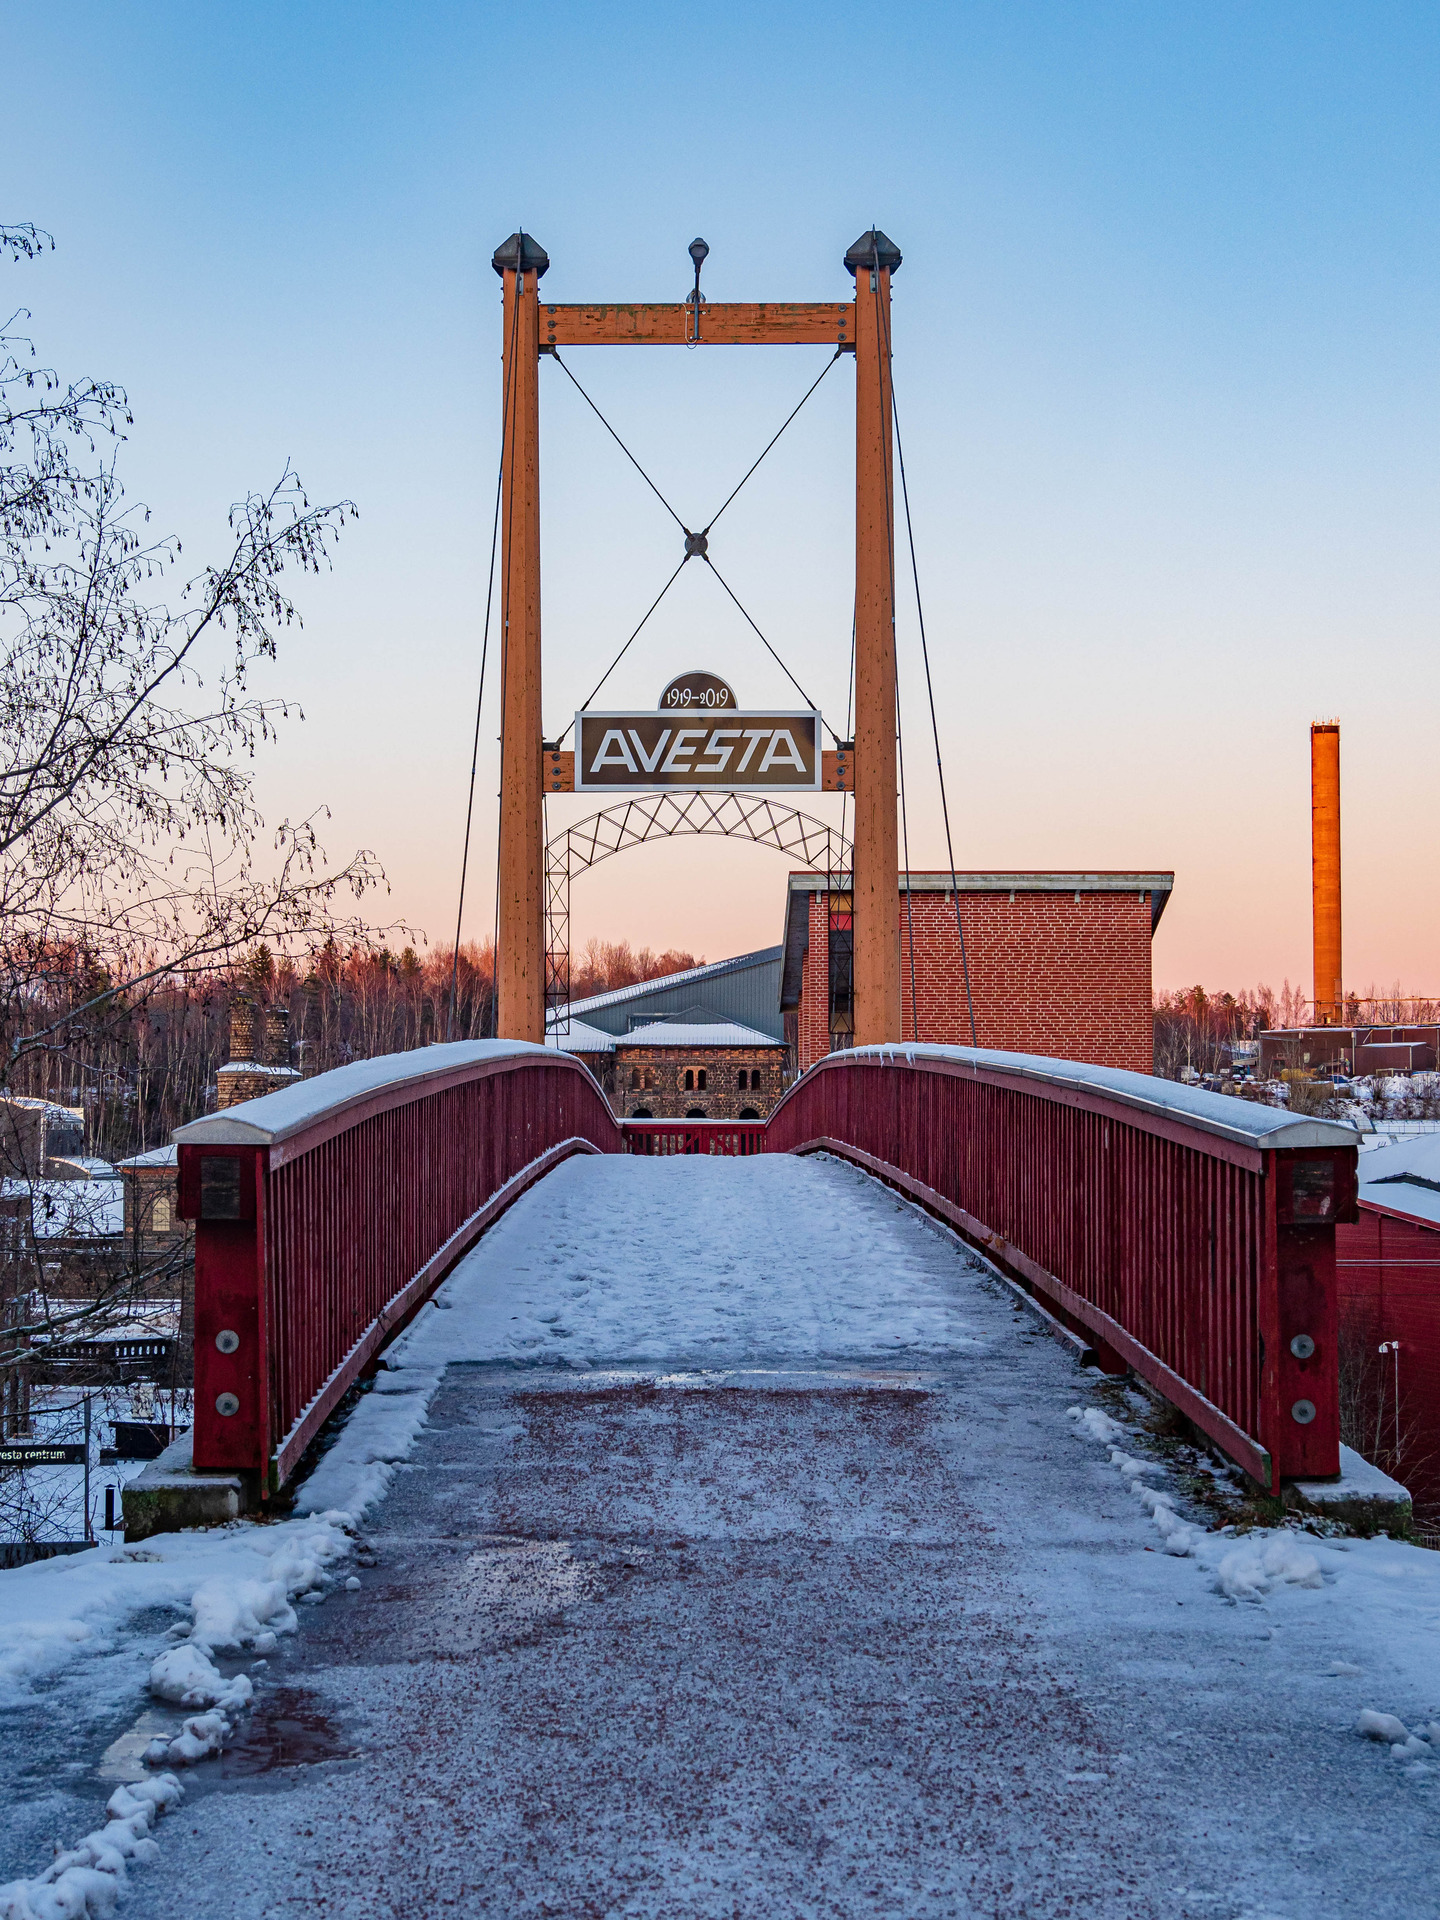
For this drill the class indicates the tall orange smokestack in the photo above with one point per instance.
(1325, 866)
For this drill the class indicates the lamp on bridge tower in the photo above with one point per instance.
(862, 327)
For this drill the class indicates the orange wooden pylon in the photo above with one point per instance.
(872, 260)
(520, 957)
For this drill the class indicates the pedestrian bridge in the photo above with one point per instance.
(1183, 1235)
(727, 1537)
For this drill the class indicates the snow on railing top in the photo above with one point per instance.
(1243, 1121)
(277, 1116)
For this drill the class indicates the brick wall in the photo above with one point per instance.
(1051, 973)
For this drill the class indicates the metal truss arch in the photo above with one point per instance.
(760, 818)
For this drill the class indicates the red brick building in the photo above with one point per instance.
(1059, 963)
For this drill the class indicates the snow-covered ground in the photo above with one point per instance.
(755, 1554)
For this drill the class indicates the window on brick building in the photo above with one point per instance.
(689, 1079)
(756, 1080)
(743, 1080)
(700, 1079)
(841, 940)
(635, 1081)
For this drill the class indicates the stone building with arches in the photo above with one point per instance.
(704, 1044)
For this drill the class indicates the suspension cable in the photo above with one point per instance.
(480, 697)
(909, 892)
(925, 652)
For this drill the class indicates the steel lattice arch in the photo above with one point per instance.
(766, 821)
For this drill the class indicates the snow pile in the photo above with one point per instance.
(1245, 1570)
(379, 1434)
(190, 1678)
(89, 1878)
(1403, 1744)
(235, 1582)
(1098, 1425)
(234, 1613)
(202, 1735)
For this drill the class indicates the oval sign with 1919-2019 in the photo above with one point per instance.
(698, 693)
(730, 752)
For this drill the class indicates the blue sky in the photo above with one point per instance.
(1164, 355)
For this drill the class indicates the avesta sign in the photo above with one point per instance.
(698, 739)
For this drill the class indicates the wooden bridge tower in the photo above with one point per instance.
(860, 326)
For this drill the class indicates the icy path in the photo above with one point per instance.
(777, 1580)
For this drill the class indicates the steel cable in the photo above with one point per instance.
(480, 697)
(924, 650)
(553, 355)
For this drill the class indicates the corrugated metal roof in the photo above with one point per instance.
(713, 1033)
(745, 989)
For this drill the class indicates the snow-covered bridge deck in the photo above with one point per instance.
(736, 1552)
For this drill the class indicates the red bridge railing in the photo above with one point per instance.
(1192, 1235)
(694, 1136)
(327, 1214)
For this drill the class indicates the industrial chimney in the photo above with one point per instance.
(1325, 867)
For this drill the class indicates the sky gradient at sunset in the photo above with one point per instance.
(1165, 363)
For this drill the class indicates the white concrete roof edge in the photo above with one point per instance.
(1253, 1125)
(275, 1116)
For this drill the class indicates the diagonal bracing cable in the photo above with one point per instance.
(768, 648)
(750, 471)
(789, 417)
(626, 648)
(553, 355)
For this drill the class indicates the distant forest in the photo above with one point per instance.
(148, 1063)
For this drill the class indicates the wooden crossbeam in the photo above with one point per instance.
(824, 323)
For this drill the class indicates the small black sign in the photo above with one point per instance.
(220, 1187)
(40, 1453)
